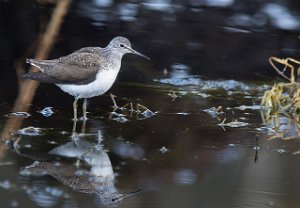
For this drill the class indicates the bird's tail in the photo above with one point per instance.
(42, 64)
(34, 62)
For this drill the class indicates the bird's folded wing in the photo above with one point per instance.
(76, 68)
(42, 77)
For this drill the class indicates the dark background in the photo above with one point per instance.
(216, 39)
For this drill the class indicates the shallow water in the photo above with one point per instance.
(200, 141)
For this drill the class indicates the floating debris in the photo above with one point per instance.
(173, 95)
(249, 107)
(19, 114)
(266, 130)
(281, 151)
(201, 94)
(118, 117)
(183, 113)
(27, 145)
(163, 150)
(121, 119)
(146, 113)
(30, 131)
(64, 132)
(296, 152)
(47, 112)
(6, 184)
(14, 203)
(214, 112)
(51, 142)
(256, 148)
(232, 145)
(192, 92)
(6, 163)
(233, 124)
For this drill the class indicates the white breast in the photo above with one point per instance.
(103, 82)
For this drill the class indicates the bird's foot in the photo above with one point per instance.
(75, 137)
(112, 96)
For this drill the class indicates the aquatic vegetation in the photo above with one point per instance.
(284, 97)
(233, 124)
(141, 112)
(173, 95)
(281, 126)
(283, 100)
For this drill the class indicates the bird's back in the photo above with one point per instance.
(76, 68)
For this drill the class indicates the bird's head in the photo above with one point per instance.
(123, 46)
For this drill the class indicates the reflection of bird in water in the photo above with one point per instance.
(99, 179)
(86, 73)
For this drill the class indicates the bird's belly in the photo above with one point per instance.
(103, 82)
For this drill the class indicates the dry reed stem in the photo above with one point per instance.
(28, 87)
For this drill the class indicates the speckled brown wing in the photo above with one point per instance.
(77, 68)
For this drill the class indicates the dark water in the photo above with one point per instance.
(178, 153)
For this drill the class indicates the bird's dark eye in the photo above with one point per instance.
(122, 45)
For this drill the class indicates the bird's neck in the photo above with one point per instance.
(114, 59)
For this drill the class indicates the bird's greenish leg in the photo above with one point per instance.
(112, 96)
(84, 107)
(75, 108)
